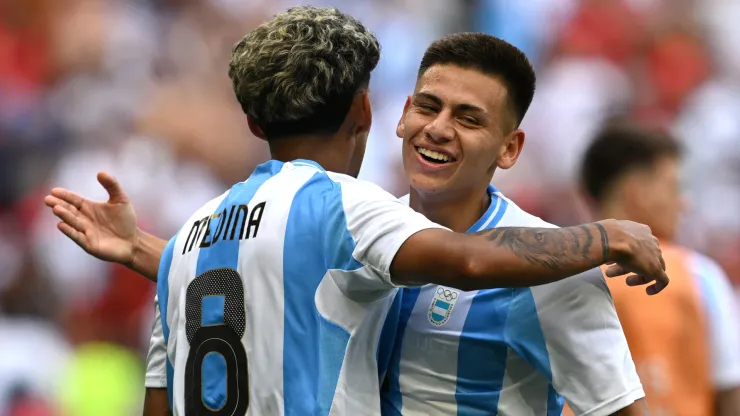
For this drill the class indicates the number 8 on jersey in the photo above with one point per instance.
(216, 371)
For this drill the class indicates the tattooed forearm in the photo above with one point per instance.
(604, 242)
(553, 248)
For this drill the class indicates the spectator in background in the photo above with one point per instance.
(686, 343)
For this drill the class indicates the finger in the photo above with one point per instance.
(68, 217)
(637, 280)
(74, 235)
(64, 205)
(662, 261)
(615, 270)
(653, 289)
(68, 196)
(656, 288)
(111, 185)
(51, 201)
(663, 280)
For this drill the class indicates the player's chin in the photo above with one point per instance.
(426, 182)
(429, 177)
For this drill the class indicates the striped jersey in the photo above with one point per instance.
(510, 352)
(271, 299)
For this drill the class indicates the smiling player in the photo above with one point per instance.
(507, 352)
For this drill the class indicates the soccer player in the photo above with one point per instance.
(274, 294)
(507, 352)
(685, 342)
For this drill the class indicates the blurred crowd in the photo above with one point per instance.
(139, 88)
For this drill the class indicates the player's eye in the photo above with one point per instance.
(470, 120)
(426, 107)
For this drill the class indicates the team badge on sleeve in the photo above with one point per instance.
(442, 305)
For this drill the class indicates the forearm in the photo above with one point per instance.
(156, 403)
(519, 257)
(147, 253)
(728, 402)
(506, 257)
(638, 408)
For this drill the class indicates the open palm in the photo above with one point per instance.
(106, 230)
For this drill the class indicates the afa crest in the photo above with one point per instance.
(442, 304)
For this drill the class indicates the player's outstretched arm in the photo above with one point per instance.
(518, 257)
(107, 230)
(156, 403)
(728, 402)
(638, 408)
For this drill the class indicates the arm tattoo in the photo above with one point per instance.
(552, 248)
(604, 242)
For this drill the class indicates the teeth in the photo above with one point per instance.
(432, 154)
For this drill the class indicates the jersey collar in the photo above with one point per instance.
(493, 214)
(306, 162)
(491, 217)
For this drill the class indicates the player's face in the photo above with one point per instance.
(660, 198)
(456, 130)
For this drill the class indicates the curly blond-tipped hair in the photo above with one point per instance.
(298, 73)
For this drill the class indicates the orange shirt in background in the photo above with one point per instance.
(668, 338)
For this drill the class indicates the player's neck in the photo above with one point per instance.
(619, 211)
(318, 148)
(612, 209)
(456, 212)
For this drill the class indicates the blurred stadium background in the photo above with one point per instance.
(139, 88)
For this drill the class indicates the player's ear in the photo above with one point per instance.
(366, 113)
(400, 128)
(511, 149)
(255, 128)
(360, 116)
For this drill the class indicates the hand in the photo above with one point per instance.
(634, 249)
(107, 230)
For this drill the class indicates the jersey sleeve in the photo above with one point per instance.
(156, 375)
(376, 225)
(577, 342)
(722, 314)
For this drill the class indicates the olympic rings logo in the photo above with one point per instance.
(447, 294)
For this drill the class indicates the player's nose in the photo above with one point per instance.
(439, 130)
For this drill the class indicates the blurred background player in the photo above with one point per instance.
(686, 344)
(508, 352)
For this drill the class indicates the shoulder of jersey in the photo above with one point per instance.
(360, 189)
(349, 180)
(514, 216)
(206, 209)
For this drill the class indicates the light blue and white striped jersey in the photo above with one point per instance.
(273, 296)
(510, 352)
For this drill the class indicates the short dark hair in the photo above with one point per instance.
(299, 72)
(621, 148)
(489, 55)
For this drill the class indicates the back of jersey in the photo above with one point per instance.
(273, 296)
